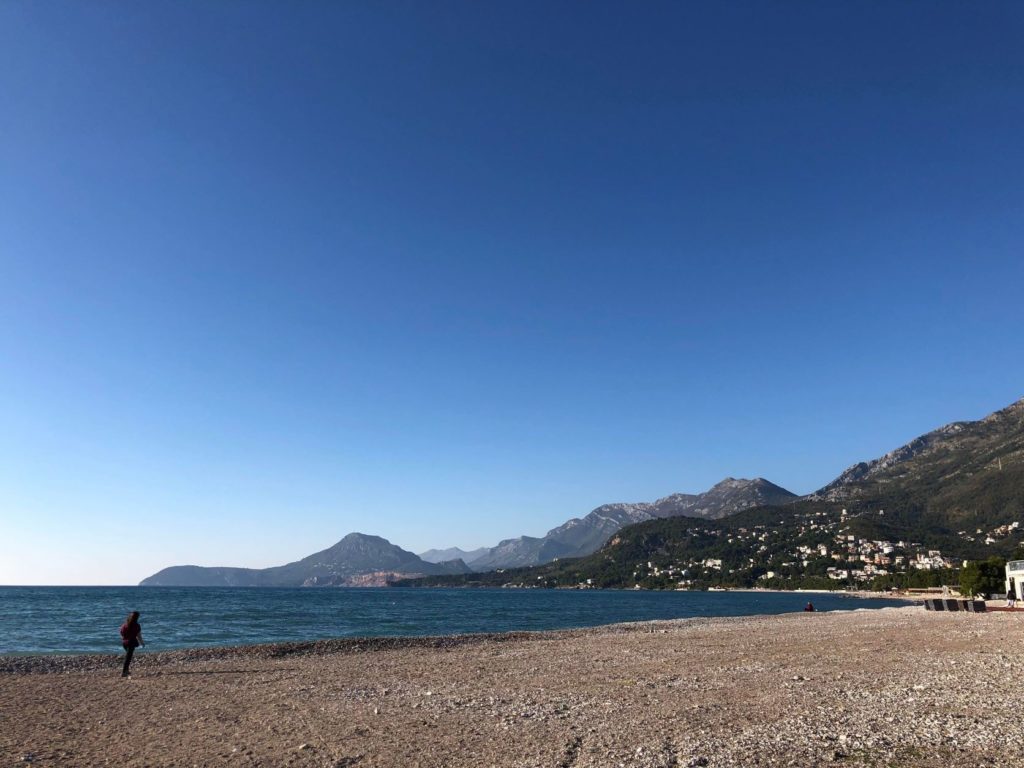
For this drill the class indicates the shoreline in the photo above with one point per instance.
(89, 662)
(60, 662)
(38, 663)
(892, 686)
(864, 687)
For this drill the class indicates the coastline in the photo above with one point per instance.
(186, 619)
(33, 664)
(61, 663)
(884, 686)
(862, 594)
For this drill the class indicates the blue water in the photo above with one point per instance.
(86, 619)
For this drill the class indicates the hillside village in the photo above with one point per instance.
(910, 518)
(808, 546)
(832, 551)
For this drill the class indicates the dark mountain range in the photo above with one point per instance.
(581, 536)
(958, 491)
(357, 559)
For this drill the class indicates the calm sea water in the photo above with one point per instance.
(86, 619)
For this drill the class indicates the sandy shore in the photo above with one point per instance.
(881, 688)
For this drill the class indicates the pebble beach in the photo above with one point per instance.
(889, 687)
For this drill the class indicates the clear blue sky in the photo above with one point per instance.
(452, 272)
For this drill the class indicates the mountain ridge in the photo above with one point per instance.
(361, 559)
(346, 563)
(855, 479)
(904, 519)
(580, 536)
(959, 487)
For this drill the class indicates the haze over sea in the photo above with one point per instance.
(86, 619)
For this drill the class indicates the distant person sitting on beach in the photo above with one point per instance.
(131, 638)
(809, 608)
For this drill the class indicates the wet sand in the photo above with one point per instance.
(898, 686)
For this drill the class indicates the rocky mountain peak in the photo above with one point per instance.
(734, 484)
(363, 538)
(1014, 411)
(583, 535)
(941, 452)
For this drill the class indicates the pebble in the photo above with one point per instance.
(742, 692)
(87, 662)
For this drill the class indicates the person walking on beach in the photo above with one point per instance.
(131, 638)
(1011, 597)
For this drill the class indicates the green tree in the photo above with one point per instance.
(984, 577)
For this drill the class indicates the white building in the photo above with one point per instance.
(1015, 578)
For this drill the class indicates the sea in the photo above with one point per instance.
(74, 620)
